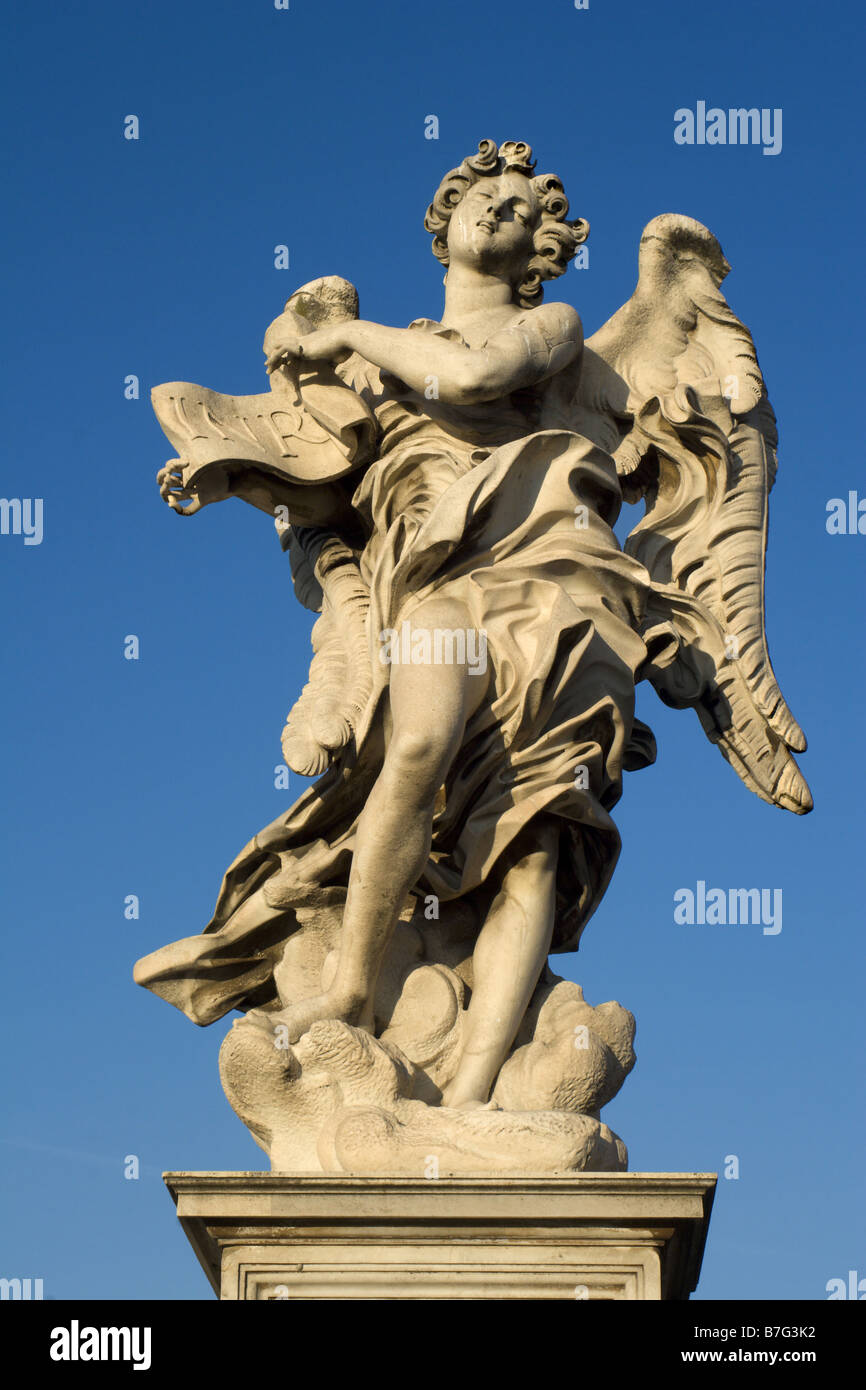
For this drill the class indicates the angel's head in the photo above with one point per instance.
(492, 212)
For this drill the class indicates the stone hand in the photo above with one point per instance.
(173, 491)
(323, 344)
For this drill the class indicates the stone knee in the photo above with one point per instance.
(417, 762)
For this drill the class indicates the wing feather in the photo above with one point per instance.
(673, 380)
(331, 704)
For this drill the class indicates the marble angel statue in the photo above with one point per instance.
(444, 491)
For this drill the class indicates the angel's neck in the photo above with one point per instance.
(470, 294)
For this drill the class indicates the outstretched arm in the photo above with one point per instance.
(541, 342)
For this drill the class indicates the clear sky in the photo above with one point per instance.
(155, 257)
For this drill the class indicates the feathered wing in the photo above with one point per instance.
(671, 386)
(328, 580)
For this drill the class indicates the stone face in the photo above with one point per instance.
(597, 1236)
(446, 494)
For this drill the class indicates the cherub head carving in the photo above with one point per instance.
(495, 213)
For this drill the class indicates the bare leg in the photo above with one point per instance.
(429, 707)
(509, 956)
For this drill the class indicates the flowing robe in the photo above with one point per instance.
(478, 504)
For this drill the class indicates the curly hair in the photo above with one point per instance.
(555, 239)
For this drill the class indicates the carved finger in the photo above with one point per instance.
(193, 504)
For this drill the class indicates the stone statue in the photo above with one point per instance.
(446, 494)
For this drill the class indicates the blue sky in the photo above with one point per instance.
(155, 257)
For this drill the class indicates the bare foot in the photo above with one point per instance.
(298, 1018)
(453, 1099)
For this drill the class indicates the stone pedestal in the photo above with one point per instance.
(596, 1235)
